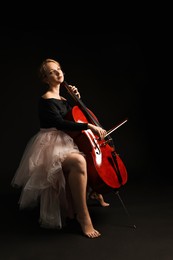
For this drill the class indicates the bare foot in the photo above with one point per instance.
(99, 197)
(87, 227)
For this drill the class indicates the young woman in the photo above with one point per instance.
(52, 171)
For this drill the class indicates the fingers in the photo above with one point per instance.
(98, 131)
(75, 90)
(102, 133)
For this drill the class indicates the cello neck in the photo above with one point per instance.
(81, 104)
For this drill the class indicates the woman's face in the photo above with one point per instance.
(54, 74)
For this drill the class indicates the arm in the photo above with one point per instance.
(52, 114)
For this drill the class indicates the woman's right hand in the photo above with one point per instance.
(97, 130)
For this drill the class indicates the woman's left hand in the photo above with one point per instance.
(75, 90)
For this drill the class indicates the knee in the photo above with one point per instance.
(80, 163)
(75, 162)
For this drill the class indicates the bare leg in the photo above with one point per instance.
(75, 170)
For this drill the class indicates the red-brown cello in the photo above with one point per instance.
(106, 170)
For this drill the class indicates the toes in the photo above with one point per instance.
(93, 234)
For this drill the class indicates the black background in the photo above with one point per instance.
(122, 71)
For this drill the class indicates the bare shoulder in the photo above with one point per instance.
(62, 98)
(49, 94)
(46, 95)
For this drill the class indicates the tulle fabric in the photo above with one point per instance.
(41, 177)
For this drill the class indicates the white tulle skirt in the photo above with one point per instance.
(41, 177)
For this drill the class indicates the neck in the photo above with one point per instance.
(55, 89)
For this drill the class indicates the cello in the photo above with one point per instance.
(105, 169)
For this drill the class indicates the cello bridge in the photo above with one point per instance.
(105, 142)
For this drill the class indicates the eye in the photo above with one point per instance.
(52, 72)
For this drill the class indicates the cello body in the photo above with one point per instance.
(106, 171)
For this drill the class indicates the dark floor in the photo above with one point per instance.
(147, 205)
